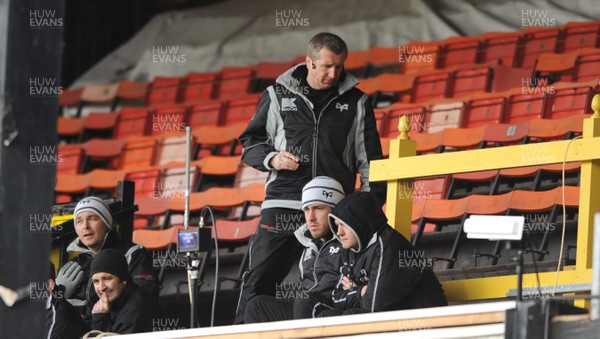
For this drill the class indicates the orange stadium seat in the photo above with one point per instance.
(506, 78)
(163, 90)
(222, 166)
(100, 122)
(357, 63)
(172, 181)
(138, 153)
(104, 151)
(70, 98)
(69, 127)
(207, 113)
(267, 73)
(132, 121)
(515, 175)
(522, 107)
(131, 91)
(146, 182)
(235, 81)
(587, 66)
(105, 180)
(459, 50)
(419, 56)
(578, 35)
(218, 140)
(556, 66)
(433, 85)
(391, 88)
(479, 205)
(199, 87)
(470, 80)
(167, 119)
(548, 129)
(71, 159)
(383, 60)
(469, 181)
(463, 138)
(149, 209)
(502, 47)
(484, 111)
(428, 142)
(441, 212)
(72, 184)
(538, 41)
(239, 110)
(569, 101)
(506, 134)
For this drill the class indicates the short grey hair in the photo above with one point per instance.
(329, 40)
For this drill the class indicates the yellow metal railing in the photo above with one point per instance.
(403, 165)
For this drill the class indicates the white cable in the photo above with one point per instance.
(564, 217)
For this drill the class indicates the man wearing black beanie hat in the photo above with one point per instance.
(122, 307)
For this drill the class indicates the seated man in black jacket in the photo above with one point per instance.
(122, 307)
(381, 269)
(95, 232)
(319, 264)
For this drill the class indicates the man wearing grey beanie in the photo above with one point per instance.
(319, 264)
(93, 223)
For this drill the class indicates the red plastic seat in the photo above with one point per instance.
(131, 122)
(235, 81)
(132, 90)
(138, 153)
(434, 85)
(205, 114)
(69, 127)
(501, 47)
(71, 158)
(167, 120)
(163, 90)
(383, 60)
(100, 121)
(459, 50)
(569, 101)
(419, 56)
(106, 150)
(356, 63)
(271, 70)
(506, 134)
(525, 106)
(415, 114)
(506, 78)
(587, 66)
(199, 86)
(240, 110)
(484, 111)
(146, 182)
(472, 80)
(578, 35)
(538, 41)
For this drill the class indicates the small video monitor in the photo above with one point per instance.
(188, 240)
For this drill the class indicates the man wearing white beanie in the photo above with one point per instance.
(94, 225)
(319, 264)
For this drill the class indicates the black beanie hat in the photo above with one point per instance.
(111, 261)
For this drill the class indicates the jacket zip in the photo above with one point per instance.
(315, 263)
(316, 135)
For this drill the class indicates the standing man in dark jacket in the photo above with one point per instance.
(122, 307)
(319, 264)
(381, 271)
(94, 227)
(313, 121)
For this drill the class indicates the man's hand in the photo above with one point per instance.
(347, 283)
(102, 305)
(284, 161)
(69, 276)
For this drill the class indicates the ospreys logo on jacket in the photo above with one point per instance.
(338, 141)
